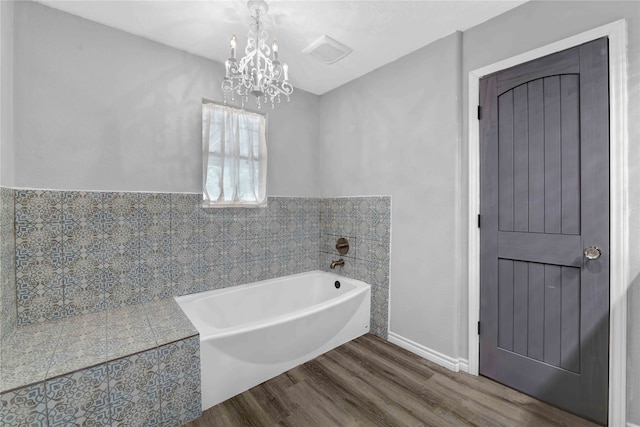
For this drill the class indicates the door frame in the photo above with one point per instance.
(619, 223)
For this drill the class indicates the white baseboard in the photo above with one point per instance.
(632, 425)
(441, 359)
(463, 365)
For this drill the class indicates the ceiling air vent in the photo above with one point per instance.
(327, 50)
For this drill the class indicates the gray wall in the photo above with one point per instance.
(96, 108)
(6, 93)
(538, 23)
(396, 131)
(99, 109)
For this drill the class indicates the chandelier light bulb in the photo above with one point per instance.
(234, 43)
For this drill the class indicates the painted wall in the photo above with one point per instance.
(7, 242)
(6, 93)
(536, 24)
(396, 131)
(100, 109)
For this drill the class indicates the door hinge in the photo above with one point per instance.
(478, 220)
(479, 112)
(478, 328)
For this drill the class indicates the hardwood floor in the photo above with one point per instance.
(371, 382)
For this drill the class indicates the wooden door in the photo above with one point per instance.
(544, 314)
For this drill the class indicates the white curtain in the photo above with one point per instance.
(234, 157)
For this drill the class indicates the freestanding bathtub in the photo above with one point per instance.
(251, 333)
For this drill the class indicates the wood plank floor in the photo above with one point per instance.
(371, 382)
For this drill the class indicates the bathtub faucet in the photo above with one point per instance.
(334, 264)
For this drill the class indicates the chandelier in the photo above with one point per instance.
(258, 73)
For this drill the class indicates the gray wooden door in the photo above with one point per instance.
(544, 311)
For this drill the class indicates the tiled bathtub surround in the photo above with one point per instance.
(7, 265)
(129, 366)
(366, 223)
(84, 252)
(98, 341)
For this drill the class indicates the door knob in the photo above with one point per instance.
(592, 252)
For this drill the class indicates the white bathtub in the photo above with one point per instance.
(253, 332)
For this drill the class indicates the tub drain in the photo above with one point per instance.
(337, 284)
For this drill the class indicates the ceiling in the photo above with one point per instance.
(379, 32)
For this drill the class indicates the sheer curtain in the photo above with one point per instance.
(234, 157)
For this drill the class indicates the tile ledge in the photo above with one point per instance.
(22, 353)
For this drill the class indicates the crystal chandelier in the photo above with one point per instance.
(259, 72)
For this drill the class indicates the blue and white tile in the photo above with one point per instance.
(235, 249)
(120, 207)
(155, 206)
(256, 270)
(212, 224)
(39, 303)
(183, 283)
(134, 390)
(133, 374)
(142, 409)
(256, 223)
(380, 274)
(120, 292)
(25, 355)
(155, 235)
(157, 287)
(38, 206)
(120, 262)
(82, 207)
(310, 262)
(24, 407)
(154, 258)
(79, 398)
(83, 296)
(292, 264)
(236, 273)
(76, 352)
(275, 206)
(130, 339)
(257, 250)
(234, 224)
(121, 237)
(185, 257)
(85, 237)
(185, 205)
(37, 239)
(185, 219)
(216, 277)
(184, 233)
(181, 401)
(291, 245)
(275, 267)
(275, 227)
(274, 247)
(180, 360)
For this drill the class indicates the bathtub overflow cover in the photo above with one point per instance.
(337, 284)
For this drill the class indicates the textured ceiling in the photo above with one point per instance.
(379, 32)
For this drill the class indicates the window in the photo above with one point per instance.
(234, 157)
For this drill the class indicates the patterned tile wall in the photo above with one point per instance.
(366, 223)
(84, 252)
(158, 387)
(7, 265)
